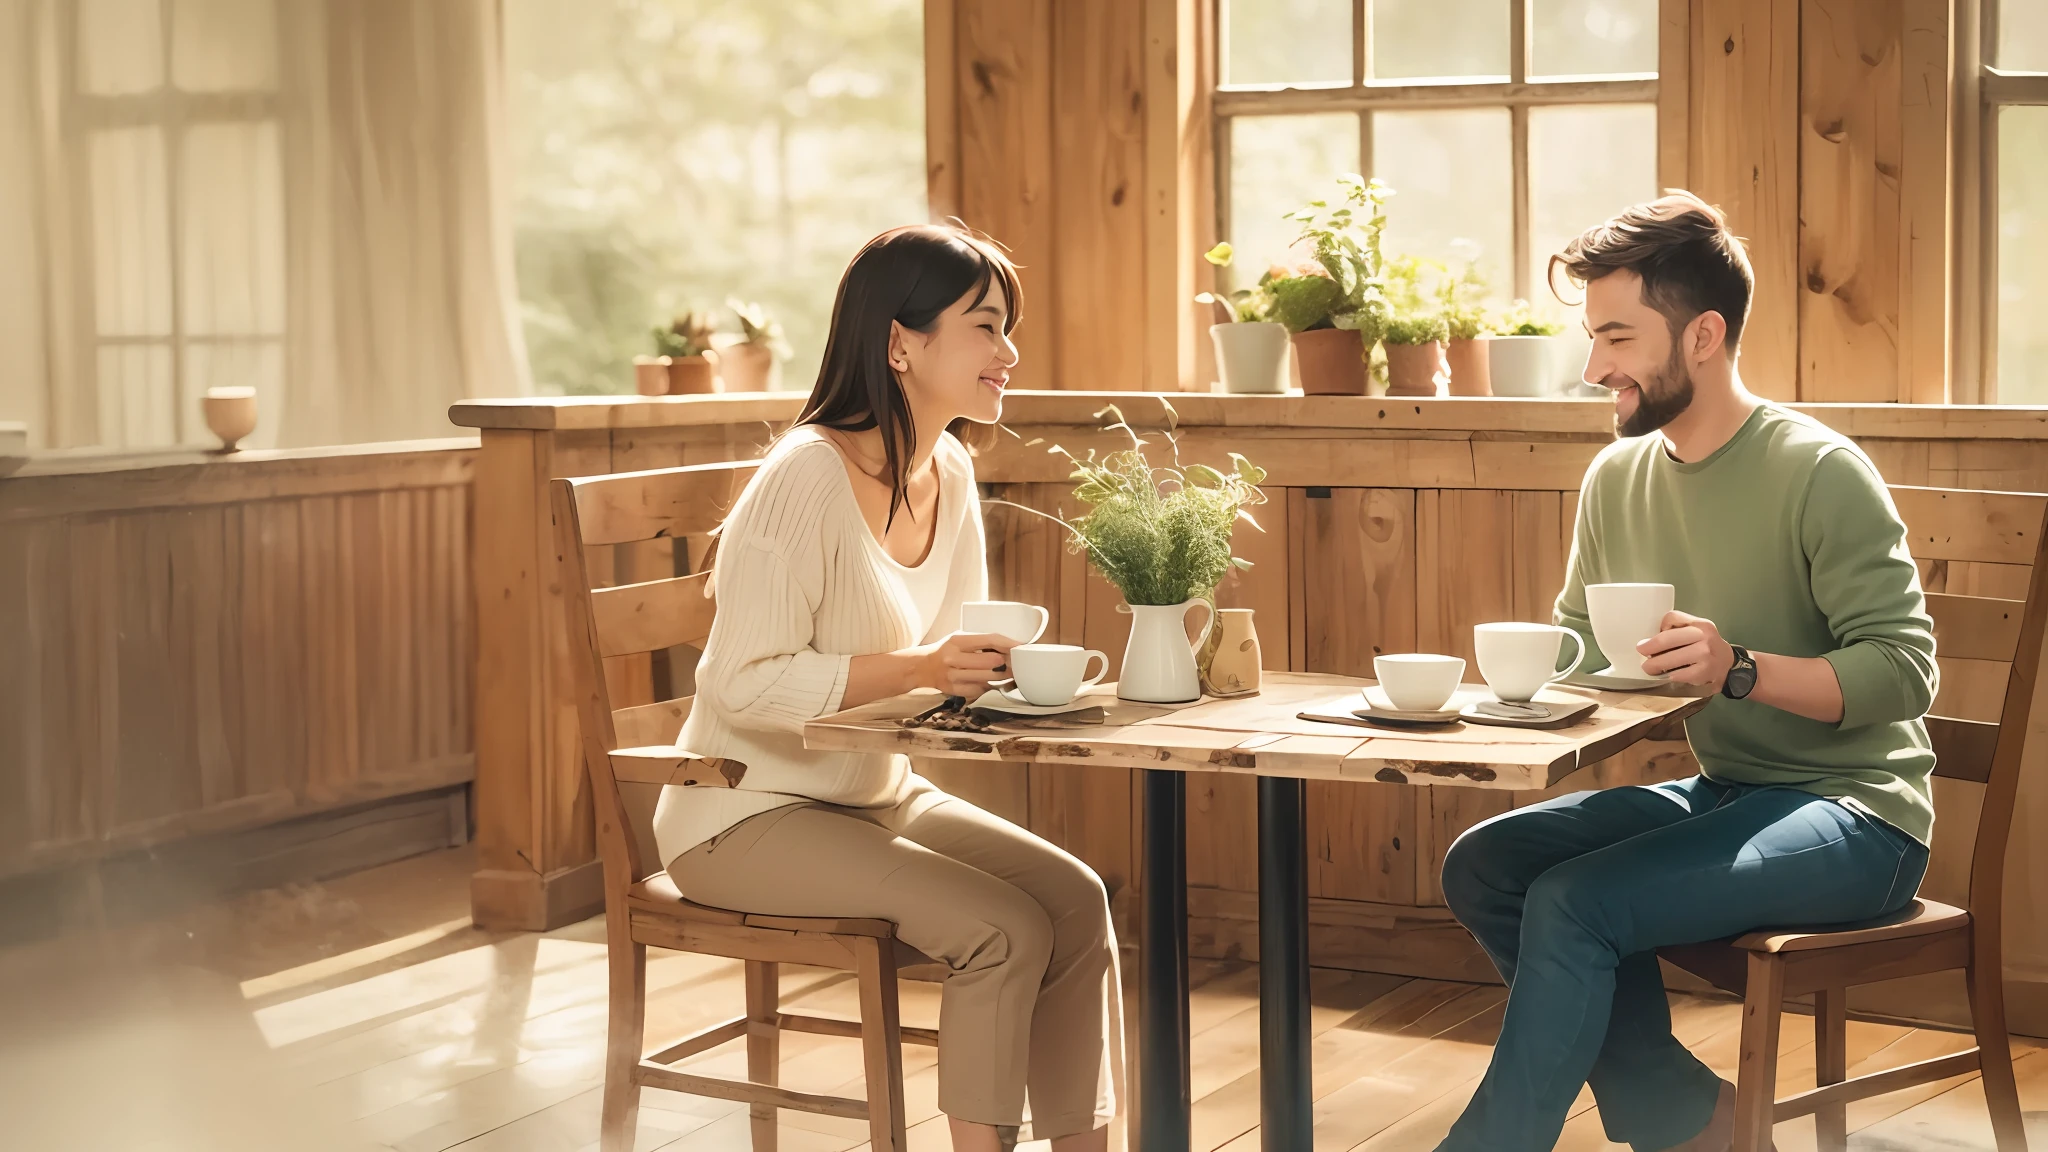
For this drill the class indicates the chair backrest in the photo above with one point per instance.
(1948, 527)
(591, 513)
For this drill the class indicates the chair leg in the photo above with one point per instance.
(764, 1043)
(881, 1039)
(624, 1043)
(1756, 1076)
(1831, 1066)
(1994, 1054)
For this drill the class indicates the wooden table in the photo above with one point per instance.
(1261, 735)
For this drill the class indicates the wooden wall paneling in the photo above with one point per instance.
(1465, 562)
(1849, 185)
(1744, 137)
(1185, 141)
(1004, 76)
(1098, 304)
(941, 109)
(1674, 92)
(1925, 151)
(512, 471)
(1542, 546)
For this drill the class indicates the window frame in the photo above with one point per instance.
(1364, 96)
(173, 111)
(1982, 92)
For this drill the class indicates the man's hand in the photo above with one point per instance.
(1690, 648)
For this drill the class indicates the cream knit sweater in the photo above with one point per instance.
(803, 587)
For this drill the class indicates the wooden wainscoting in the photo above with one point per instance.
(203, 644)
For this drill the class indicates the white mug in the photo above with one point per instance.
(1050, 675)
(1518, 659)
(1418, 682)
(1625, 615)
(1021, 623)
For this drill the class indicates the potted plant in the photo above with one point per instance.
(753, 362)
(1415, 354)
(1523, 354)
(1462, 304)
(684, 342)
(1337, 308)
(1251, 347)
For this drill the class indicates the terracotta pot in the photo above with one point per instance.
(230, 414)
(1469, 360)
(1332, 362)
(1415, 369)
(746, 368)
(650, 375)
(691, 376)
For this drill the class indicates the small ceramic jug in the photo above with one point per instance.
(1159, 663)
(1230, 661)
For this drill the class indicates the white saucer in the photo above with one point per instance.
(1006, 700)
(1606, 680)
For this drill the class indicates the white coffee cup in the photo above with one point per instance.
(1625, 615)
(1518, 659)
(1049, 675)
(1418, 682)
(1022, 623)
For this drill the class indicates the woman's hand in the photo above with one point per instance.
(964, 663)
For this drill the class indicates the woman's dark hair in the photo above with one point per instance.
(910, 275)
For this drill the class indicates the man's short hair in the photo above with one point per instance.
(1681, 247)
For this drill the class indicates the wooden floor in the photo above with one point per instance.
(366, 1013)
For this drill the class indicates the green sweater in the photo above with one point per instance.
(1787, 540)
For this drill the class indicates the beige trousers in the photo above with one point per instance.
(1033, 1002)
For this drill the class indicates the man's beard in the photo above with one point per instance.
(1660, 399)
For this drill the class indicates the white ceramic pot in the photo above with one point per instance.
(1159, 662)
(1523, 365)
(1251, 358)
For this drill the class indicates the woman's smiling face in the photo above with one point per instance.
(960, 367)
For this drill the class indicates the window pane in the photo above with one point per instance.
(2022, 255)
(1592, 37)
(1445, 39)
(671, 153)
(130, 237)
(136, 406)
(2022, 35)
(1453, 188)
(1277, 164)
(1572, 186)
(1287, 41)
(120, 46)
(232, 270)
(224, 45)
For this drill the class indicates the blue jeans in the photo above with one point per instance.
(1571, 897)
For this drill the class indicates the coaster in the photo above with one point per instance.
(1008, 702)
(1536, 714)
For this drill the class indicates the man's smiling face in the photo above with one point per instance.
(1635, 355)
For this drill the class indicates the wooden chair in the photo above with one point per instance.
(630, 753)
(1944, 526)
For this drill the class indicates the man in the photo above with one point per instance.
(1800, 609)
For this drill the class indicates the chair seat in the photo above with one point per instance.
(1919, 918)
(658, 894)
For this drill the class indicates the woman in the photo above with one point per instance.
(840, 576)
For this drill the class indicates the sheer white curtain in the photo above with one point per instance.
(304, 196)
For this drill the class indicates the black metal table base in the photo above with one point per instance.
(1285, 1121)
(1163, 1092)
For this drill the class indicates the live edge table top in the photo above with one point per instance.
(1262, 735)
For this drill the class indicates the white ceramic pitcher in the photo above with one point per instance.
(1159, 662)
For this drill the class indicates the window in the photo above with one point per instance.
(670, 154)
(1505, 127)
(171, 118)
(2009, 287)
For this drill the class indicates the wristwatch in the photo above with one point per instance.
(1742, 676)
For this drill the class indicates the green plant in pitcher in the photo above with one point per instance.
(1348, 290)
(1246, 305)
(1160, 534)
